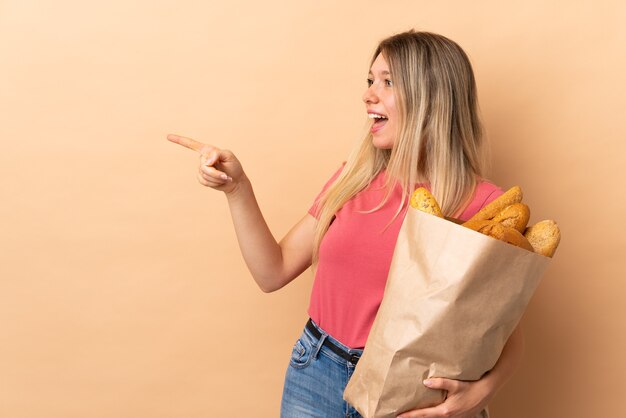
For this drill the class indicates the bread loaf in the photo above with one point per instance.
(544, 237)
(505, 219)
(478, 225)
(422, 199)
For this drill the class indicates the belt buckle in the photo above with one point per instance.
(354, 358)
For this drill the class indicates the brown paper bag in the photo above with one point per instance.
(452, 299)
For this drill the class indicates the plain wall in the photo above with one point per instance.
(122, 289)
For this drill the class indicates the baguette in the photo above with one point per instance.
(511, 196)
(503, 233)
(515, 216)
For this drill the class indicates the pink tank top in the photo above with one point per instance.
(355, 257)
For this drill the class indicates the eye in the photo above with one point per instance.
(369, 82)
(389, 83)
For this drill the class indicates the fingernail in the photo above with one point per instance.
(224, 176)
(428, 382)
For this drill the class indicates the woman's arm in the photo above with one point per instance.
(467, 399)
(272, 264)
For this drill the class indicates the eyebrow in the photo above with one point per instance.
(382, 72)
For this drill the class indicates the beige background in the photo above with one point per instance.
(122, 291)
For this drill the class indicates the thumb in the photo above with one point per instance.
(221, 156)
(214, 156)
(440, 383)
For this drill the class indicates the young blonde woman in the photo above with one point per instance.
(425, 130)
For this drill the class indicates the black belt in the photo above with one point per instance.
(351, 357)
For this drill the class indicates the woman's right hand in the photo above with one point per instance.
(219, 168)
(272, 264)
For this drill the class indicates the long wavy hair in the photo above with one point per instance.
(439, 139)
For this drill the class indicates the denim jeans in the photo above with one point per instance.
(315, 380)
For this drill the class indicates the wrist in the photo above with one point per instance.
(490, 384)
(239, 189)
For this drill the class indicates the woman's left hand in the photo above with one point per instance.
(464, 400)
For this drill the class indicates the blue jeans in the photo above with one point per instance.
(315, 380)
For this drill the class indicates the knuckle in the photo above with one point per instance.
(446, 412)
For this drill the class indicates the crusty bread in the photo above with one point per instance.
(544, 237)
(505, 219)
(511, 196)
(503, 233)
(513, 236)
(422, 199)
(515, 216)
(478, 225)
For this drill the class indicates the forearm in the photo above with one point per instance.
(266, 259)
(259, 248)
(468, 398)
(509, 361)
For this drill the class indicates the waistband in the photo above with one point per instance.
(345, 353)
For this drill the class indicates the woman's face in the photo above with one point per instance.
(380, 103)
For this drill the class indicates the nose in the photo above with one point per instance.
(370, 95)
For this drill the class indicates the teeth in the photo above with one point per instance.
(375, 116)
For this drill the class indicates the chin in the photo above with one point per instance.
(382, 143)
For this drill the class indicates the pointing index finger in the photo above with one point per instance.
(187, 142)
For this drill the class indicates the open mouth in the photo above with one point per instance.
(379, 121)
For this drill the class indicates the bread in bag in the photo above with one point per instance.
(423, 200)
(544, 237)
(511, 196)
(515, 216)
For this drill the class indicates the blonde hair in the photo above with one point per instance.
(439, 138)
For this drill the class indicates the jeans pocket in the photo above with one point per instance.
(301, 354)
